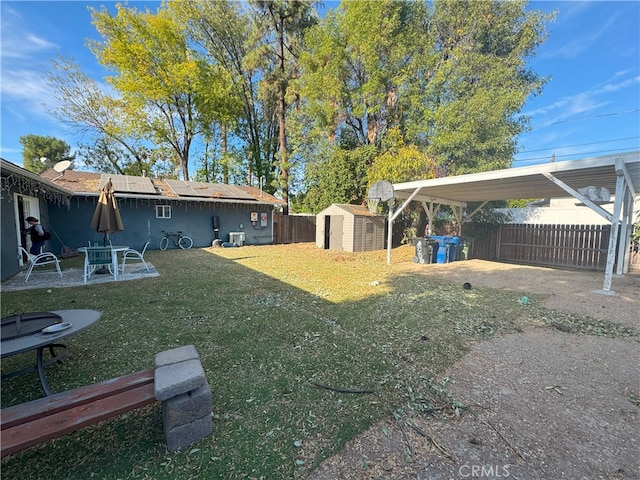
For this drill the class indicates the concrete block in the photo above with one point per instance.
(180, 437)
(176, 355)
(178, 378)
(187, 407)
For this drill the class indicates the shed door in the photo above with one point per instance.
(335, 232)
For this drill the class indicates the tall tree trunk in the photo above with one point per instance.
(284, 169)
(225, 160)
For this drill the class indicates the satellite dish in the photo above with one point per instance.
(382, 190)
(61, 166)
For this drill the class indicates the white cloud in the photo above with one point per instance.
(592, 99)
(580, 44)
(19, 43)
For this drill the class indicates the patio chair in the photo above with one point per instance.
(97, 256)
(135, 255)
(44, 258)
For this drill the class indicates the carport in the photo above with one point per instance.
(592, 181)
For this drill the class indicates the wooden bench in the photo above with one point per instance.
(28, 424)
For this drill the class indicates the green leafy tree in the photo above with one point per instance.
(169, 92)
(223, 31)
(401, 162)
(448, 78)
(468, 117)
(88, 109)
(40, 153)
(108, 156)
(359, 60)
(281, 26)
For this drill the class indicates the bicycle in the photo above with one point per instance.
(178, 239)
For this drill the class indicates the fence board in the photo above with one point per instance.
(575, 246)
(294, 228)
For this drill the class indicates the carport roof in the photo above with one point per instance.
(525, 182)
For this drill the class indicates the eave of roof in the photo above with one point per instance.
(13, 168)
(86, 184)
(524, 182)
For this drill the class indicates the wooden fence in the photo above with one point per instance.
(294, 228)
(574, 246)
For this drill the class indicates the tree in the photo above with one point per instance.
(469, 116)
(83, 105)
(172, 94)
(281, 29)
(359, 61)
(223, 31)
(448, 79)
(108, 156)
(401, 162)
(40, 153)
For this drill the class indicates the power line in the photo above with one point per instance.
(596, 116)
(548, 157)
(580, 144)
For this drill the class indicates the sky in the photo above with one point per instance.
(589, 107)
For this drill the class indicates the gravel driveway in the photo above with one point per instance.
(544, 404)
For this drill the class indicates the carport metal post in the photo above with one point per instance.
(393, 215)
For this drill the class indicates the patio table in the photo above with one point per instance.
(115, 249)
(72, 322)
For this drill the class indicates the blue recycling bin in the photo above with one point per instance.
(443, 244)
(448, 248)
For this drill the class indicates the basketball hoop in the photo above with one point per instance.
(372, 204)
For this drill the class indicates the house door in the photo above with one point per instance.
(25, 207)
(335, 232)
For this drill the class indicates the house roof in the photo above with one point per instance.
(525, 182)
(126, 186)
(355, 210)
(30, 183)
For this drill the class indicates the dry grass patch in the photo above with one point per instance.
(271, 323)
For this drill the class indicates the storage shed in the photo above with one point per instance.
(352, 228)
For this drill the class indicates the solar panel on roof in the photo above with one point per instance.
(200, 189)
(128, 183)
(228, 191)
(188, 189)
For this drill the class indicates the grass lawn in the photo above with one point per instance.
(271, 324)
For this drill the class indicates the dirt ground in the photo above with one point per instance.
(544, 404)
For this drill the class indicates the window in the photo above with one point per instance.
(163, 211)
(369, 228)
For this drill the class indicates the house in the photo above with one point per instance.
(24, 194)
(148, 207)
(151, 206)
(352, 228)
(562, 211)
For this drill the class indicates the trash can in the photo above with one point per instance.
(424, 250)
(455, 248)
(441, 248)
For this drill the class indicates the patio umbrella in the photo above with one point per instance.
(106, 218)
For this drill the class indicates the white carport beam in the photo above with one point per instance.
(431, 213)
(574, 193)
(621, 169)
(393, 215)
(476, 210)
(442, 201)
(613, 237)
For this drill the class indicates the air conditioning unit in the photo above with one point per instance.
(237, 238)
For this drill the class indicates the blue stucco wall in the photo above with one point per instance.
(8, 237)
(140, 223)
